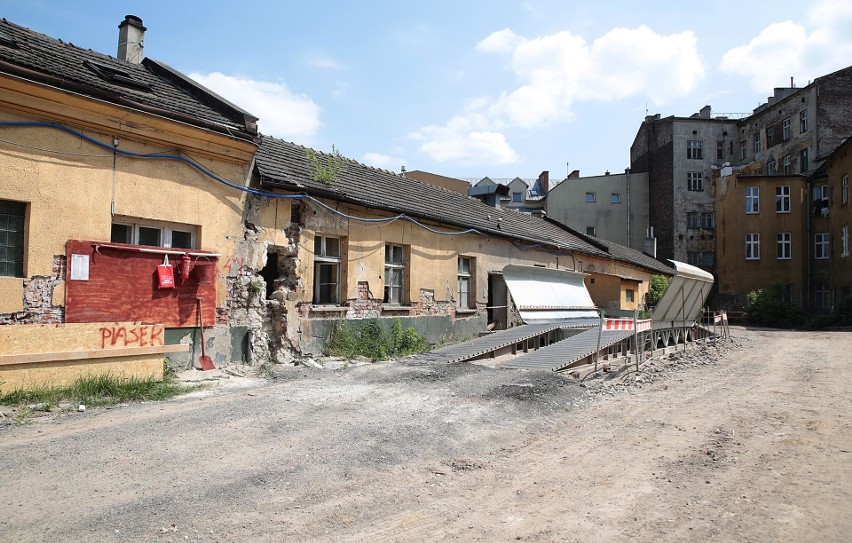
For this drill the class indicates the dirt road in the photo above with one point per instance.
(750, 443)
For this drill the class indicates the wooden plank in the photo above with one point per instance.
(44, 338)
(8, 360)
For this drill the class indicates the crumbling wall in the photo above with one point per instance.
(43, 298)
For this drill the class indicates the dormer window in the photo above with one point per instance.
(114, 75)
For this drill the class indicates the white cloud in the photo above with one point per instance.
(385, 162)
(502, 41)
(466, 139)
(282, 112)
(821, 45)
(554, 72)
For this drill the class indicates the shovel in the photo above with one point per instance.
(205, 361)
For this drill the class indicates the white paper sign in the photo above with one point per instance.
(79, 267)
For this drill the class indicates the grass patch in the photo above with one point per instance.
(99, 390)
(370, 339)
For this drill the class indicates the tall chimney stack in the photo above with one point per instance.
(131, 39)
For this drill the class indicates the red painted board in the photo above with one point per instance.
(122, 287)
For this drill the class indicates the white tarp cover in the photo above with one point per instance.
(685, 296)
(547, 295)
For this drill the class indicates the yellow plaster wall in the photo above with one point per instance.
(69, 192)
(11, 294)
(433, 258)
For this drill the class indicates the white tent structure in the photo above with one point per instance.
(551, 296)
(681, 305)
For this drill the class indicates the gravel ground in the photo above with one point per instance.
(743, 440)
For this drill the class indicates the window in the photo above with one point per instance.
(517, 197)
(822, 297)
(821, 247)
(803, 121)
(771, 167)
(695, 181)
(692, 220)
(821, 200)
(787, 294)
(708, 220)
(693, 149)
(803, 160)
(782, 199)
(844, 241)
(787, 168)
(628, 295)
(615, 198)
(707, 259)
(770, 137)
(590, 198)
(752, 200)
(785, 246)
(590, 230)
(394, 274)
(693, 258)
(465, 277)
(12, 220)
(326, 270)
(720, 150)
(785, 129)
(844, 190)
(743, 148)
(153, 234)
(752, 246)
(757, 145)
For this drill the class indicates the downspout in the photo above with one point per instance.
(808, 211)
(629, 239)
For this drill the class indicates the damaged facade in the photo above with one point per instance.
(292, 251)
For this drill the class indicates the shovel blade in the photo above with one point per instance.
(206, 363)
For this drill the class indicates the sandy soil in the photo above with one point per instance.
(747, 440)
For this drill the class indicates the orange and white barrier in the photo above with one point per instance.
(626, 324)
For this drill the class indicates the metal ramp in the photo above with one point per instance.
(563, 353)
(486, 344)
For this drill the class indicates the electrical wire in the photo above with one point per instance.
(209, 173)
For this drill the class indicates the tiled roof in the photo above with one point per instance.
(285, 165)
(39, 57)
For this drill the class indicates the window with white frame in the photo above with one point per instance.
(590, 197)
(12, 223)
(803, 121)
(153, 233)
(782, 199)
(844, 241)
(327, 261)
(844, 190)
(787, 168)
(695, 181)
(752, 200)
(708, 220)
(785, 245)
(629, 295)
(771, 167)
(692, 220)
(743, 150)
(591, 231)
(757, 145)
(752, 246)
(693, 149)
(821, 246)
(785, 129)
(394, 274)
(465, 280)
(820, 200)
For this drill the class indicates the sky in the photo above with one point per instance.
(471, 89)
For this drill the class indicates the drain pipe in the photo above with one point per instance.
(629, 239)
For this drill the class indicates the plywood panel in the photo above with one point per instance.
(64, 373)
(122, 286)
(45, 338)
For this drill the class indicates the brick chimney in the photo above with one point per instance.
(574, 175)
(131, 39)
(544, 182)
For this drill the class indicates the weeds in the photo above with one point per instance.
(370, 339)
(98, 390)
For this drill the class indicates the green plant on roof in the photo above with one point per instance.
(325, 168)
